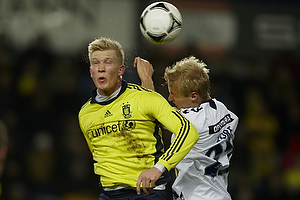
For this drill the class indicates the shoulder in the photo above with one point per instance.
(213, 104)
(222, 107)
(137, 88)
(196, 115)
(142, 91)
(221, 112)
(85, 106)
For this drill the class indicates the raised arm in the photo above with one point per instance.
(145, 71)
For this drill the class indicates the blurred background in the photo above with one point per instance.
(250, 46)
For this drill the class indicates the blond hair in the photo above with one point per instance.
(102, 44)
(192, 76)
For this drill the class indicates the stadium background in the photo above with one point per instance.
(251, 47)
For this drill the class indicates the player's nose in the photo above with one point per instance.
(101, 67)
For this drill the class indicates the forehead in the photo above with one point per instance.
(103, 54)
(173, 87)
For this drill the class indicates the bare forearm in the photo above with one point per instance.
(148, 83)
(145, 71)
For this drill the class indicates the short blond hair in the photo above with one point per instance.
(102, 44)
(192, 76)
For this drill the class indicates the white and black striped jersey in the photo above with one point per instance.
(203, 173)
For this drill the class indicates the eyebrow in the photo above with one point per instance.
(107, 58)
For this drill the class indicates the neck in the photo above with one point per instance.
(102, 98)
(110, 91)
(201, 100)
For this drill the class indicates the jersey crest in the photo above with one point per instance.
(126, 110)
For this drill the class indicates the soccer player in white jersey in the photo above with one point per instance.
(122, 123)
(203, 173)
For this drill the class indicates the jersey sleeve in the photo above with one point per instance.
(174, 121)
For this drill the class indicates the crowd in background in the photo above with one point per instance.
(41, 93)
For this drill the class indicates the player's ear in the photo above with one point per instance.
(91, 71)
(194, 95)
(121, 70)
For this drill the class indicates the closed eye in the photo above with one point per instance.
(108, 61)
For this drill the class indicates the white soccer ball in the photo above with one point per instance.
(160, 22)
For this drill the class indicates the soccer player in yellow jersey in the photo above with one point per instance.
(122, 123)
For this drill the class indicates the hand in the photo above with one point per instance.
(145, 71)
(147, 179)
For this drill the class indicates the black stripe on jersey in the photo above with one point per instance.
(159, 145)
(177, 144)
(211, 102)
(137, 87)
(184, 132)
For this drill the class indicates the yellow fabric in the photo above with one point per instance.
(124, 136)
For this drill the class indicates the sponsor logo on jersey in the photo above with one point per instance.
(226, 133)
(218, 126)
(107, 114)
(126, 125)
(103, 130)
(126, 110)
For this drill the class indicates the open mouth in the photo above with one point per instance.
(101, 79)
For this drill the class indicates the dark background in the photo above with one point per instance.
(44, 80)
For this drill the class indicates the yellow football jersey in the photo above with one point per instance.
(125, 138)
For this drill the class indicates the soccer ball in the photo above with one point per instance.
(160, 22)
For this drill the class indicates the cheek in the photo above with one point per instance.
(180, 101)
(91, 73)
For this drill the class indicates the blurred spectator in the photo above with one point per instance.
(262, 128)
(291, 168)
(41, 162)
